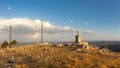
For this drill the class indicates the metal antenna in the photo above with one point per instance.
(41, 32)
(10, 35)
(78, 32)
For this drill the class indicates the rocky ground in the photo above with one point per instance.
(45, 56)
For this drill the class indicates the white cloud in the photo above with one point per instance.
(25, 29)
(29, 28)
(36, 35)
(2, 18)
(91, 33)
(8, 7)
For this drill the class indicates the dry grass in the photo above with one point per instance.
(36, 56)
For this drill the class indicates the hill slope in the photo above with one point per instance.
(37, 56)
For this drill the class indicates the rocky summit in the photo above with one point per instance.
(51, 56)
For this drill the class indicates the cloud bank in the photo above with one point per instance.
(25, 29)
(29, 28)
(88, 32)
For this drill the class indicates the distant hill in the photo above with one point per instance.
(45, 56)
(114, 47)
(111, 45)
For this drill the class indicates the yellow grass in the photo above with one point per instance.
(36, 56)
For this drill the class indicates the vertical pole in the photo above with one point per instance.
(41, 32)
(10, 35)
(78, 33)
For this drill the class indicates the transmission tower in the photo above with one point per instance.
(41, 32)
(10, 35)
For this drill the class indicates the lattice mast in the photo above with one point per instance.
(10, 35)
(42, 32)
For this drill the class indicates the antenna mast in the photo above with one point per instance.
(41, 32)
(78, 32)
(10, 35)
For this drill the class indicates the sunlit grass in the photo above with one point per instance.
(36, 56)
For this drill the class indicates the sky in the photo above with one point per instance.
(96, 19)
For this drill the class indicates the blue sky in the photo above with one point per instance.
(92, 16)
